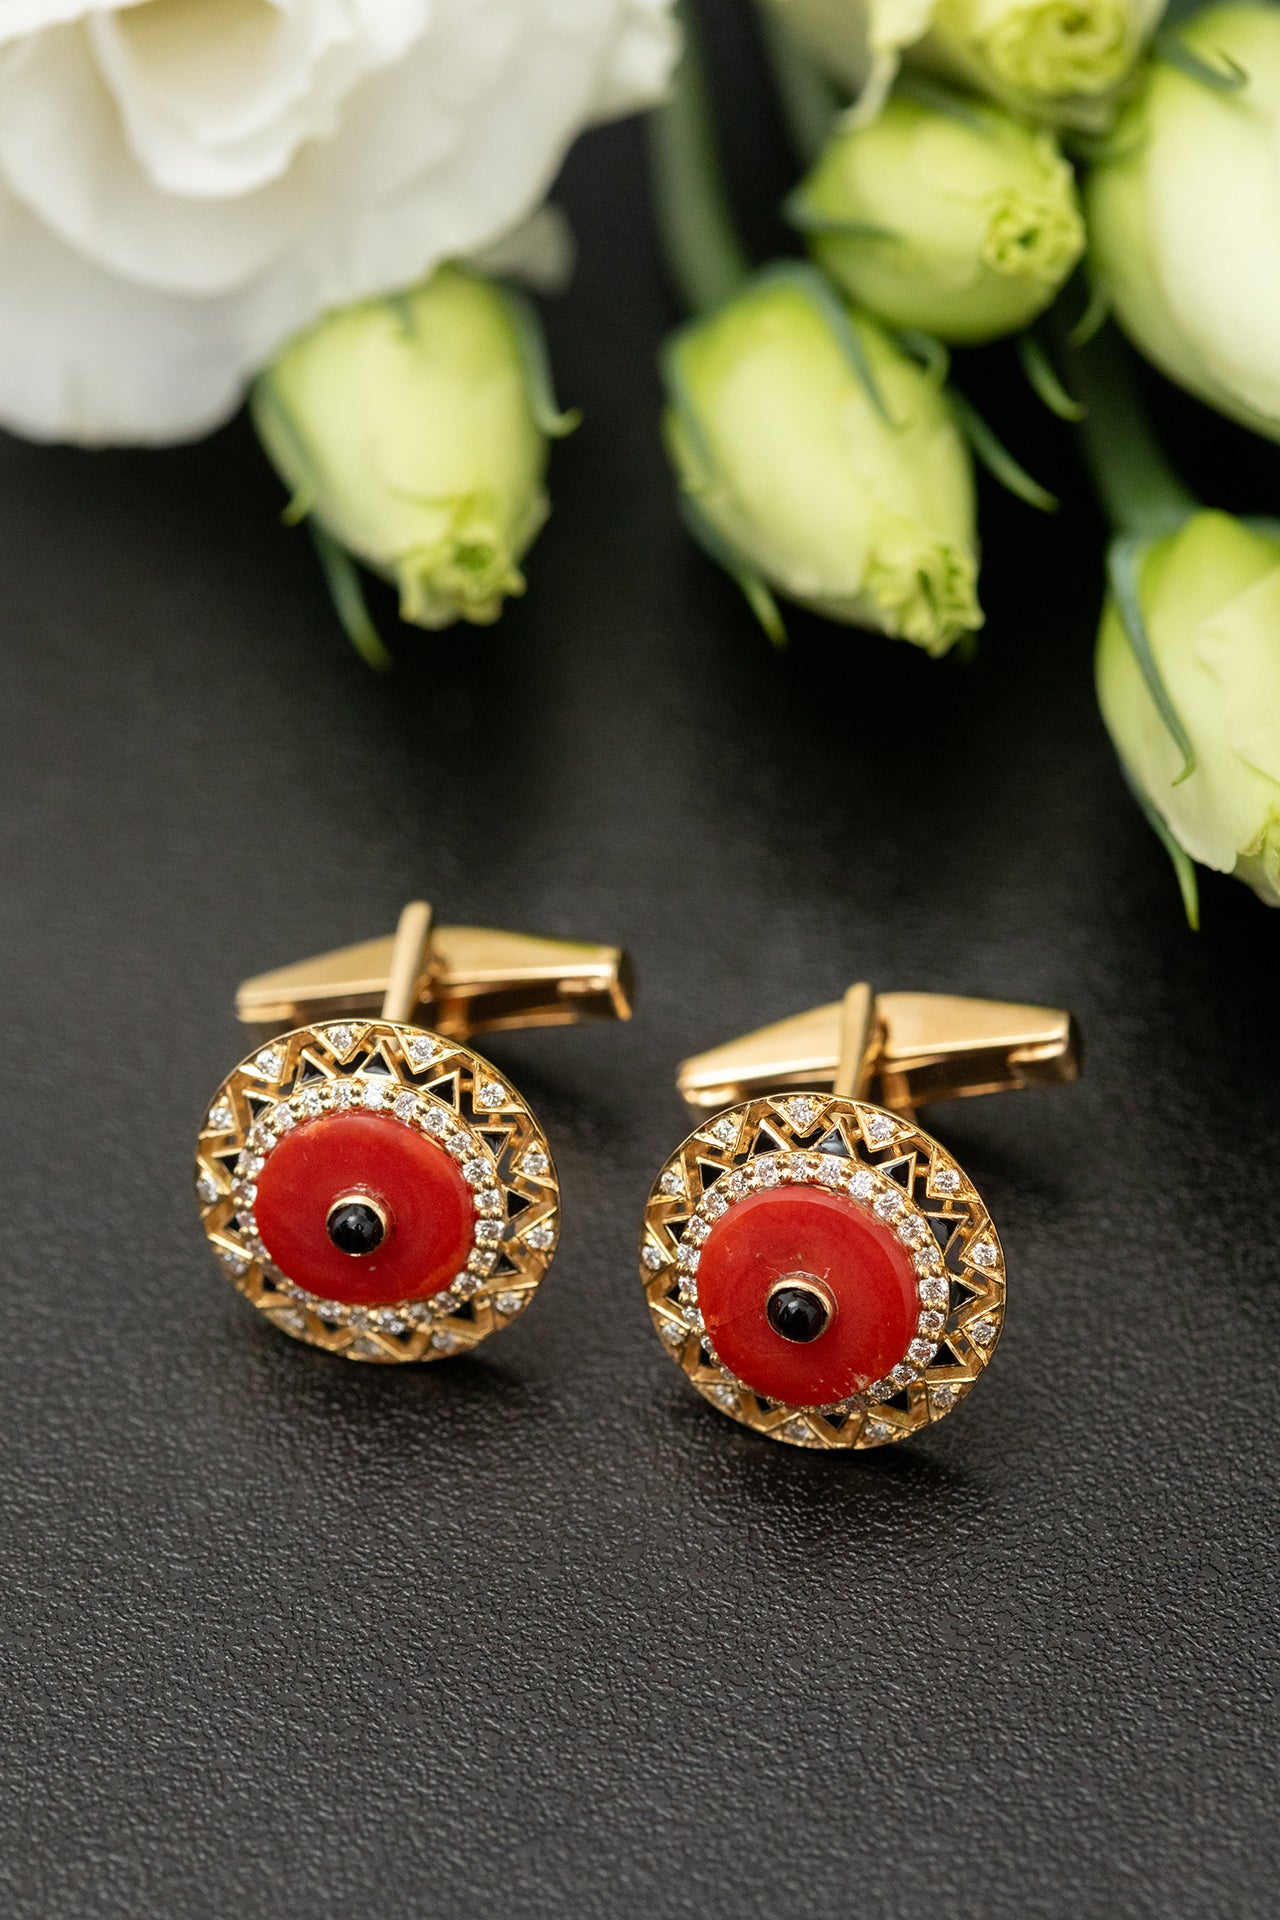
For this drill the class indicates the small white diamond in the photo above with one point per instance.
(281, 1118)
(221, 1119)
(475, 1171)
(767, 1170)
(921, 1352)
(674, 1333)
(983, 1330)
(697, 1231)
(830, 1173)
(389, 1322)
(290, 1318)
(672, 1182)
(715, 1204)
(466, 1284)
(489, 1203)
(889, 1205)
(509, 1302)
(862, 1184)
(366, 1348)
(405, 1106)
(445, 1342)
(983, 1254)
(653, 1258)
(208, 1189)
(801, 1112)
(946, 1180)
(309, 1103)
(233, 1262)
(437, 1122)
(374, 1094)
(726, 1130)
(541, 1237)
(913, 1230)
(724, 1396)
(488, 1232)
(345, 1093)
(734, 1186)
(878, 1430)
(902, 1376)
(482, 1262)
(422, 1052)
(534, 1162)
(330, 1310)
(268, 1063)
(689, 1256)
(492, 1094)
(797, 1430)
(932, 1322)
(943, 1396)
(878, 1128)
(339, 1038)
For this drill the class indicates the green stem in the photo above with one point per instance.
(1138, 489)
(808, 99)
(704, 255)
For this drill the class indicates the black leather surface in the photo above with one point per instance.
(542, 1633)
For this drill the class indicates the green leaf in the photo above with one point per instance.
(347, 593)
(1095, 316)
(1124, 573)
(817, 289)
(754, 587)
(806, 219)
(1170, 47)
(931, 353)
(1183, 864)
(940, 99)
(996, 458)
(531, 344)
(1042, 376)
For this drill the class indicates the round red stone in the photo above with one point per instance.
(429, 1209)
(805, 1230)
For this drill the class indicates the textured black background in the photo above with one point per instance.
(541, 1632)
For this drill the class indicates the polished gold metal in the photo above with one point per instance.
(384, 1025)
(900, 1050)
(457, 981)
(828, 1098)
(482, 1116)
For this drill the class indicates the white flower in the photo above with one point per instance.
(185, 183)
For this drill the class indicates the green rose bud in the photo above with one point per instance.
(1185, 219)
(819, 460)
(961, 222)
(1060, 60)
(413, 430)
(1206, 696)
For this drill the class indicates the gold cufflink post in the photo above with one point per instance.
(897, 1050)
(458, 981)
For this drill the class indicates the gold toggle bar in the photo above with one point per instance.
(899, 1050)
(458, 980)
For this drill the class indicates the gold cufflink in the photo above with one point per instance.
(370, 1183)
(820, 1268)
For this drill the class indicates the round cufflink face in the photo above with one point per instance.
(822, 1271)
(377, 1190)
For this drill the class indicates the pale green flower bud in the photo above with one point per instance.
(1185, 218)
(1207, 607)
(959, 221)
(413, 430)
(819, 460)
(1059, 60)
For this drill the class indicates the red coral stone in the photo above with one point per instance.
(428, 1204)
(864, 1267)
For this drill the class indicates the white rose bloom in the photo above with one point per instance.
(186, 183)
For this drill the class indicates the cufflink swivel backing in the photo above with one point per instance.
(368, 1181)
(820, 1268)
